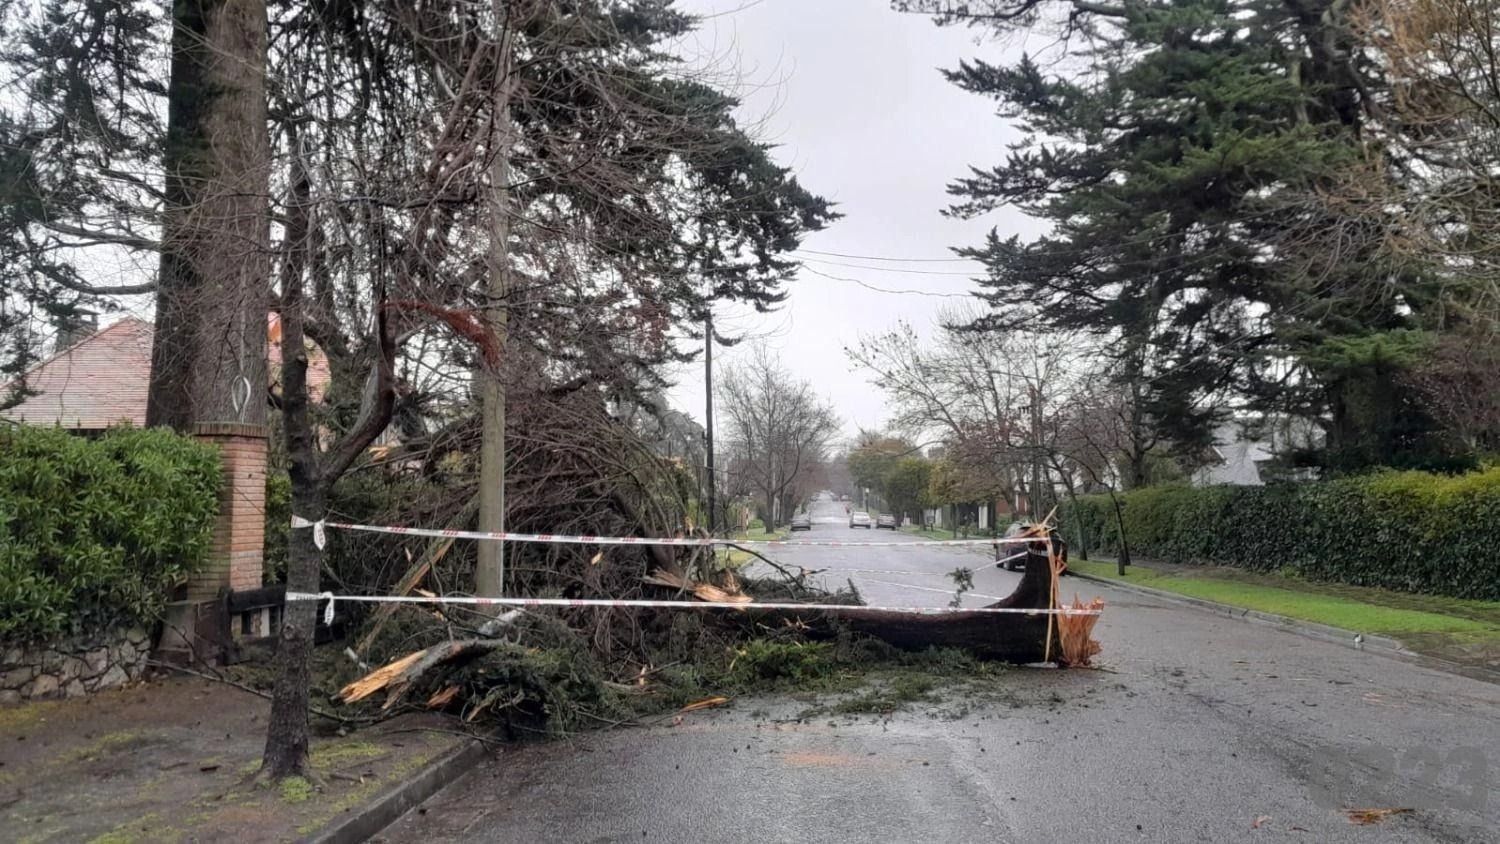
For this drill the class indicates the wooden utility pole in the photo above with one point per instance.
(708, 420)
(489, 574)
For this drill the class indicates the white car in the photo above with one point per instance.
(859, 518)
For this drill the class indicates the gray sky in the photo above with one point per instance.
(851, 92)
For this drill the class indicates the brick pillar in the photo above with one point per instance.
(237, 558)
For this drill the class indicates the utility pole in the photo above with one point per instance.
(708, 419)
(489, 572)
(1036, 452)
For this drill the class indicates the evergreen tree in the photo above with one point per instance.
(80, 137)
(1176, 172)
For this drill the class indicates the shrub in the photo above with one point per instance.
(1412, 531)
(96, 532)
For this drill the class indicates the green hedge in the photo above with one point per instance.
(1412, 531)
(97, 532)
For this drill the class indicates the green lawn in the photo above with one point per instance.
(1448, 627)
(738, 559)
(759, 532)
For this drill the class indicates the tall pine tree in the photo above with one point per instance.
(1177, 172)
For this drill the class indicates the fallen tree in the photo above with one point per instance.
(1020, 637)
(497, 676)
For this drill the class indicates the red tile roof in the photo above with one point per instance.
(102, 380)
(97, 382)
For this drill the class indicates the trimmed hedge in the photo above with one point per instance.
(96, 532)
(1411, 531)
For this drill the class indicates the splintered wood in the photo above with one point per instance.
(1074, 633)
(399, 675)
(703, 591)
(378, 679)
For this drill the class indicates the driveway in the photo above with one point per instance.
(1195, 727)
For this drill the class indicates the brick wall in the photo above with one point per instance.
(237, 559)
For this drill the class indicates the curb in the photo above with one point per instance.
(1376, 645)
(387, 807)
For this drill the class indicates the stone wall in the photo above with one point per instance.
(72, 667)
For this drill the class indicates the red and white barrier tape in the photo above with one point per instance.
(319, 526)
(698, 605)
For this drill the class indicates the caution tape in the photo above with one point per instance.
(688, 541)
(623, 602)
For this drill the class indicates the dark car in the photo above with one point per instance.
(801, 521)
(1013, 555)
(885, 520)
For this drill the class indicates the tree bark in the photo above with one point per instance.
(312, 473)
(208, 358)
(287, 730)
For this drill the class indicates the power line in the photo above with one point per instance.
(893, 260)
(1114, 244)
(878, 289)
(979, 271)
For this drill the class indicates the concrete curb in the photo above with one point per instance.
(1376, 645)
(386, 808)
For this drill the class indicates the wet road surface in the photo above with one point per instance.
(1197, 728)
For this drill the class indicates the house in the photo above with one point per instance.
(99, 379)
(1234, 460)
(1251, 455)
(95, 383)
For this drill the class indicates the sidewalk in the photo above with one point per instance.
(170, 761)
(1458, 631)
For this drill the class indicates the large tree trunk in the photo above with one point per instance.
(1009, 637)
(208, 360)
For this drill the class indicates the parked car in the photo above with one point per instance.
(1014, 554)
(885, 520)
(801, 521)
(859, 518)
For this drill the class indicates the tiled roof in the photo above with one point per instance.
(97, 382)
(102, 380)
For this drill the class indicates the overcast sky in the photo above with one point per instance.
(852, 94)
(851, 91)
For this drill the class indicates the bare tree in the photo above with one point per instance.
(993, 397)
(606, 187)
(1460, 378)
(777, 427)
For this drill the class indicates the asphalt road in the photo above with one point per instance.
(1197, 728)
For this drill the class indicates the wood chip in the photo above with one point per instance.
(442, 698)
(706, 703)
(1366, 817)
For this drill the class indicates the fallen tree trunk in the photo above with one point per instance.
(1019, 637)
(1007, 637)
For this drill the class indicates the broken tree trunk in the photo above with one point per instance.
(1007, 637)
